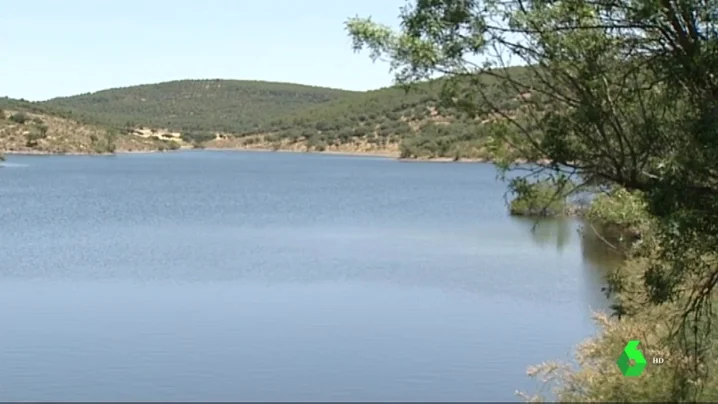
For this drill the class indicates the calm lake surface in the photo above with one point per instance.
(279, 276)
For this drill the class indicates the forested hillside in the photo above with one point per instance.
(196, 105)
(264, 115)
(390, 120)
(31, 128)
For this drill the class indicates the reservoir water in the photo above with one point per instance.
(279, 276)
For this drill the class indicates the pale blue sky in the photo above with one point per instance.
(64, 47)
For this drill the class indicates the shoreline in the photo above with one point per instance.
(44, 153)
(376, 154)
(384, 155)
(330, 152)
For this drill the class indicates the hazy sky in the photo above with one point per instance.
(51, 48)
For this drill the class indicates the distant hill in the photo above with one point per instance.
(391, 121)
(31, 128)
(280, 116)
(231, 106)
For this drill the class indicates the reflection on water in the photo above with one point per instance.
(549, 231)
(597, 252)
(598, 257)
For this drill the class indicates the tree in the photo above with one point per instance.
(616, 93)
(19, 117)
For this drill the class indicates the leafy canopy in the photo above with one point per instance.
(619, 93)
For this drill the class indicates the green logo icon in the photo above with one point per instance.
(631, 353)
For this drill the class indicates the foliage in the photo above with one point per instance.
(68, 134)
(290, 114)
(19, 117)
(620, 207)
(104, 144)
(197, 137)
(539, 199)
(621, 216)
(598, 378)
(196, 105)
(412, 118)
(620, 94)
(28, 107)
(35, 134)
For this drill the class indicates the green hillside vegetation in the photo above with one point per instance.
(187, 106)
(391, 120)
(31, 128)
(280, 116)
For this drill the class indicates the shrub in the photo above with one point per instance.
(385, 131)
(322, 126)
(621, 208)
(345, 134)
(407, 150)
(274, 137)
(196, 137)
(316, 142)
(19, 117)
(598, 379)
(620, 217)
(537, 199)
(106, 146)
(172, 145)
(42, 129)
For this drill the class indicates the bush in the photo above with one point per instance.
(323, 126)
(172, 145)
(196, 137)
(384, 131)
(407, 150)
(620, 216)
(274, 137)
(598, 379)
(102, 147)
(619, 207)
(293, 135)
(19, 117)
(345, 134)
(42, 129)
(540, 199)
(317, 142)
